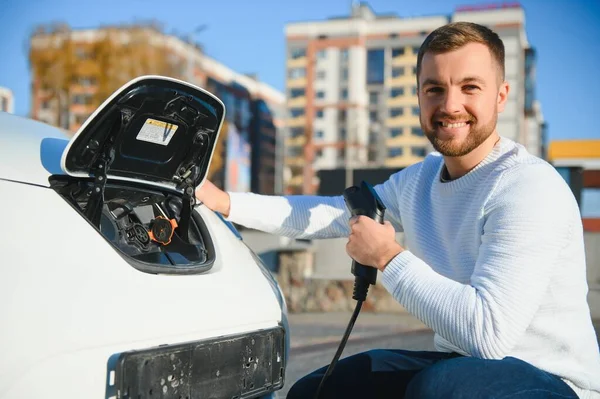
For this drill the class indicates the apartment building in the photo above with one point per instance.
(75, 70)
(352, 95)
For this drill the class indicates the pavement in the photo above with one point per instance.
(309, 329)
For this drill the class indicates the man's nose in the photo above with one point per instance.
(452, 102)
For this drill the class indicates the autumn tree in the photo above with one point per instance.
(114, 56)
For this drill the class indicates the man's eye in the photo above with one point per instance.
(470, 87)
(434, 90)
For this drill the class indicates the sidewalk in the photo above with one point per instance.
(320, 328)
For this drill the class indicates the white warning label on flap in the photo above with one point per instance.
(157, 132)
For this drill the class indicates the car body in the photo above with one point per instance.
(110, 289)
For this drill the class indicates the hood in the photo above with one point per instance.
(154, 130)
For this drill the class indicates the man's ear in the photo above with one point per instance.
(503, 95)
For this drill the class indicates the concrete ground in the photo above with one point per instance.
(315, 338)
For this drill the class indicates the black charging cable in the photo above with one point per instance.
(363, 288)
(361, 200)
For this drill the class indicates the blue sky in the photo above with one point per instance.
(249, 37)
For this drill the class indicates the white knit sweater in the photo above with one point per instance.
(495, 263)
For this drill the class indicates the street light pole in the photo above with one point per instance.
(192, 52)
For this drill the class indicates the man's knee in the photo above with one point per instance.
(469, 377)
(437, 381)
(348, 379)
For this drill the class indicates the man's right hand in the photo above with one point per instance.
(214, 198)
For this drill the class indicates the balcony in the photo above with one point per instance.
(295, 161)
(407, 58)
(405, 100)
(297, 102)
(408, 79)
(297, 121)
(298, 62)
(406, 139)
(402, 161)
(295, 141)
(403, 120)
(297, 180)
(298, 82)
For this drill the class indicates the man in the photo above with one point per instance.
(496, 265)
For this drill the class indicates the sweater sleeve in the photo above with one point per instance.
(528, 222)
(308, 217)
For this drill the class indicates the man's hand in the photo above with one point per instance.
(214, 198)
(371, 243)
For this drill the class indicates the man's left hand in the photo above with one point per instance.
(371, 243)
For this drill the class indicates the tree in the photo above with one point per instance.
(115, 56)
(54, 67)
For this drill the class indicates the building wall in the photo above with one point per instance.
(374, 136)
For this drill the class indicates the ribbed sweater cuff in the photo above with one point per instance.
(396, 270)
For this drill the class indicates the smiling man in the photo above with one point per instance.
(495, 263)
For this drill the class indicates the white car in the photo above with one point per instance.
(114, 283)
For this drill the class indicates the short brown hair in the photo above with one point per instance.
(457, 34)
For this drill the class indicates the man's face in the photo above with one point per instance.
(460, 95)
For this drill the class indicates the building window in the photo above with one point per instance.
(45, 104)
(344, 54)
(418, 151)
(319, 153)
(342, 153)
(342, 115)
(319, 134)
(397, 71)
(395, 152)
(415, 111)
(375, 66)
(295, 93)
(373, 116)
(297, 112)
(321, 75)
(322, 54)
(320, 94)
(373, 98)
(397, 52)
(344, 74)
(82, 99)
(415, 49)
(319, 114)
(414, 90)
(417, 131)
(342, 134)
(296, 132)
(344, 94)
(373, 136)
(84, 80)
(394, 112)
(395, 132)
(296, 73)
(294, 152)
(397, 92)
(296, 53)
(414, 70)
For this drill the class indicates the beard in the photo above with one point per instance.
(453, 148)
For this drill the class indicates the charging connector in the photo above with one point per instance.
(364, 201)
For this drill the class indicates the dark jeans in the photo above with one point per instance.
(427, 375)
